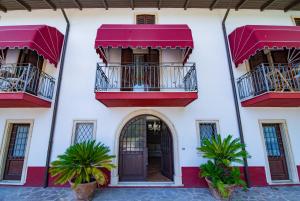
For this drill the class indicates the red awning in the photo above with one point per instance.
(143, 36)
(45, 40)
(247, 40)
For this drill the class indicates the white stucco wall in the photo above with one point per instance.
(41, 117)
(252, 116)
(215, 102)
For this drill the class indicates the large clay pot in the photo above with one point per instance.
(216, 193)
(84, 192)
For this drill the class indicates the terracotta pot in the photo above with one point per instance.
(85, 191)
(216, 193)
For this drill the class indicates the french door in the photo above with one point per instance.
(16, 152)
(275, 150)
(140, 72)
(166, 152)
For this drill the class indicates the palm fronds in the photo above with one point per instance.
(83, 163)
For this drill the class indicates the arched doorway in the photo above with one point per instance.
(146, 150)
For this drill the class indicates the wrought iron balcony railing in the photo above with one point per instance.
(265, 78)
(26, 78)
(146, 77)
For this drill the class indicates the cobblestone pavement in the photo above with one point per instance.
(149, 194)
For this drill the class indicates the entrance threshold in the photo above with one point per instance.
(146, 184)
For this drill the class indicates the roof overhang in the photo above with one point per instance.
(286, 5)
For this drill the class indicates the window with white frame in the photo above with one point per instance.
(207, 130)
(83, 131)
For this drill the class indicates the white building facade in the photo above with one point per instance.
(153, 130)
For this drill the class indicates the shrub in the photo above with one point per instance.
(82, 163)
(221, 154)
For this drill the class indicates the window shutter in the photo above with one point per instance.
(297, 21)
(145, 19)
(3, 53)
(257, 59)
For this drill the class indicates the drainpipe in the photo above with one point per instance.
(55, 108)
(236, 101)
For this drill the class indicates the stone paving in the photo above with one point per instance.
(291, 193)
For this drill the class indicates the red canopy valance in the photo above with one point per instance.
(247, 40)
(45, 40)
(143, 36)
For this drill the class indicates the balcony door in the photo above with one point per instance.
(276, 153)
(31, 57)
(140, 72)
(28, 56)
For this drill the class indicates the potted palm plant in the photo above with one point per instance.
(83, 166)
(222, 178)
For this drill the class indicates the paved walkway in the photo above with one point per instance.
(148, 194)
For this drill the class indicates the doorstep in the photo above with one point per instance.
(283, 183)
(146, 184)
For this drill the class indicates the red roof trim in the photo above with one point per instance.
(245, 41)
(45, 40)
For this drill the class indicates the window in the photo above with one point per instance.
(297, 21)
(83, 131)
(145, 19)
(207, 130)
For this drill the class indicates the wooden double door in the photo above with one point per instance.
(276, 152)
(133, 151)
(15, 154)
(140, 71)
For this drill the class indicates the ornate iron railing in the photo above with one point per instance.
(146, 77)
(265, 78)
(26, 78)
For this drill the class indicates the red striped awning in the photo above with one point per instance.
(144, 36)
(245, 41)
(45, 40)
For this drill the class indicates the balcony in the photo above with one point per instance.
(270, 86)
(146, 85)
(25, 86)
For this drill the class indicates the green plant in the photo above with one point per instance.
(82, 163)
(222, 153)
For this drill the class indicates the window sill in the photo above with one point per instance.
(13, 183)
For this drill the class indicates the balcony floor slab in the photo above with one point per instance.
(274, 99)
(146, 99)
(22, 100)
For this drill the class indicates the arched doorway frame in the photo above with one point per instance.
(177, 169)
